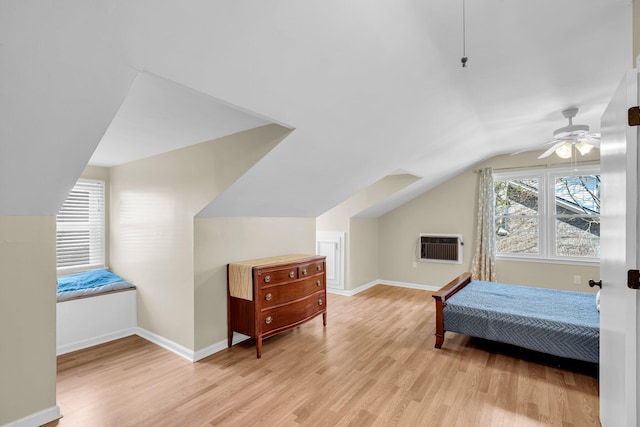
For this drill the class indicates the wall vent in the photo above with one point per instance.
(441, 248)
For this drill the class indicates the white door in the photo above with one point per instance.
(619, 253)
(331, 245)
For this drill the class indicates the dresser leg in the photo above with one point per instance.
(324, 319)
(229, 338)
(259, 347)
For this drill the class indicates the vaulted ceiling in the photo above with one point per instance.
(369, 88)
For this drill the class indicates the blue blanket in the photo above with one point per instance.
(89, 283)
(557, 322)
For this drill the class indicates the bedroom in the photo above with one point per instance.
(324, 118)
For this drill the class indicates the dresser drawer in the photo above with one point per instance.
(270, 277)
(284, 293)
(286, 315)
(310, 269)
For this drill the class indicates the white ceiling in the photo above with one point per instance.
(159, 116)
(370, 87)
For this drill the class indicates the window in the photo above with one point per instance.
(549, 214)
(80, 228)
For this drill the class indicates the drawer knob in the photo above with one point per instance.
(304, 272)
(319, 302)
(318, 283)
(268, 319)
(292, 274)
(267, 279)
(318, 267)
(268, 296)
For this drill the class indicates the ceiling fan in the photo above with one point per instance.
(572, 136)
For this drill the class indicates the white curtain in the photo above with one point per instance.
(484, 259)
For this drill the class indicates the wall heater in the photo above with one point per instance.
(445, 248)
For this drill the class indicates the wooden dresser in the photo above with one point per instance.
(271, 295)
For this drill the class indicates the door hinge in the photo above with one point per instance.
(633, 279)
(634, 116)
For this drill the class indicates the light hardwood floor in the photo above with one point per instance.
(374, 364)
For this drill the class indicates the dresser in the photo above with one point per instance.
(271, 295)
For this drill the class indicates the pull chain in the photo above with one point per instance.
(464, 38)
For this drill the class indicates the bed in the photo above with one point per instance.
(93, 307)
(561, 323)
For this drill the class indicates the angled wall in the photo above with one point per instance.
(153, 205)
(361, 234)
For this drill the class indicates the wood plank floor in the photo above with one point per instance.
(373, 365)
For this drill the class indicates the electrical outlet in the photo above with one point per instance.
(414, 264)
(576, 280)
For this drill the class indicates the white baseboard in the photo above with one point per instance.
(409, 285)
(366, 286)
(219, 346)
(182, 351)
(37, 419)
(90, 342)
(355, 291)
(165, 343)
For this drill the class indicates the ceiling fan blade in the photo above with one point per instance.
(594, 141)
(522, 151)
(551, 150)
(541, 146)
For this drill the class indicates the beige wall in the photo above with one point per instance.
(337, 218)
(357, 240)
(219, 241)
(451, 208)
(153, 204)
(363, 252)
(27, 316)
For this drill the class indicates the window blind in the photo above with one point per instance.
(80, 228)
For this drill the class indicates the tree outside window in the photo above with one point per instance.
(548, 214)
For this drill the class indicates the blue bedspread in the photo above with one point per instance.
(562, 323)
(89, 283)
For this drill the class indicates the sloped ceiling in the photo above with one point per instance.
(159, 116)
(370, 87)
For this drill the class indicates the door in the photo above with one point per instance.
(331, 245)
(619, 252)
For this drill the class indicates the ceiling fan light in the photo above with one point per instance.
(584, 147)
(564, 151)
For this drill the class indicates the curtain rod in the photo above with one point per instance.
(546, 166)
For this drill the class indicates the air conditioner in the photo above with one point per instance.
(446, 248)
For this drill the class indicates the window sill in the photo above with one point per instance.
(588, 263)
